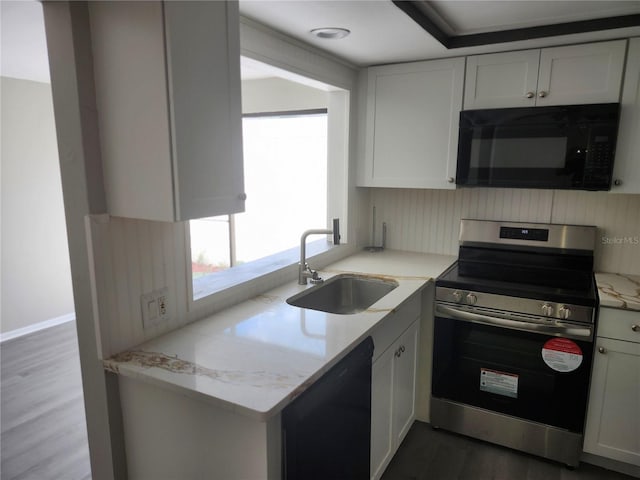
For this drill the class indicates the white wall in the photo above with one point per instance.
(36, 278)
(277, 94)
(429, 220)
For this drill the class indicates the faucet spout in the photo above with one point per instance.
(304, 271)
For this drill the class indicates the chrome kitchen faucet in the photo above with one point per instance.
(304, 271)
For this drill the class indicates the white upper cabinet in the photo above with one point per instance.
(167, 77)
(412, 115)
(501, 80)
(626, 168)
(577, 74)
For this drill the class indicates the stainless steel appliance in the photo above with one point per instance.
(561, 147)
(513, 337)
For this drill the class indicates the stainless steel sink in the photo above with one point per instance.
(343, 294)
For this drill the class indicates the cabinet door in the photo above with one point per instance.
(626, 169)
(167, 78)
(203, 56)
(404, 382)
(578, 74)
(613, 424)
(412, 124)
(382, 448)
(501, 80)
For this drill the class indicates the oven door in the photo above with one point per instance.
(532, 375)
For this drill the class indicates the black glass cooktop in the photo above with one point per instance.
(514, 283)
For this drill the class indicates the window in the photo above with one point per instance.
(285, 169)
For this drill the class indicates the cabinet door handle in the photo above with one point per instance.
(542, 94)
(451, 179)
(617, 182)
(530, 95)
(602, 350)
(635, 328)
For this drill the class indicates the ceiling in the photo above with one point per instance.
(380, 31)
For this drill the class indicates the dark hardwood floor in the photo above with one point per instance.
(44, 435)
(428, 454)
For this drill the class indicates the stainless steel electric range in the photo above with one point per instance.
(513, 336)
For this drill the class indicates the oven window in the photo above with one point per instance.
(503, 370)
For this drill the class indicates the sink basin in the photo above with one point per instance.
(343, 294)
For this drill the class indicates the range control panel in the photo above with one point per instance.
(526, 306)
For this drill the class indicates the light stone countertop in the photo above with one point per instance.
(619, 291)
(255, 357)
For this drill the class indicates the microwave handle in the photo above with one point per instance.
(505, 320)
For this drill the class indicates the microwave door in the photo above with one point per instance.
(532, 156)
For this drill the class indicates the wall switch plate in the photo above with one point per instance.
(155, 307)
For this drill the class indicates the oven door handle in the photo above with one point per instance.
(503, 320)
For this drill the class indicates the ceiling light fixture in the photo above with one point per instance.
(332, 33)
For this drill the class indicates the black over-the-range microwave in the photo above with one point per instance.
(560, 147)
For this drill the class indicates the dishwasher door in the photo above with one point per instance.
(326, 431)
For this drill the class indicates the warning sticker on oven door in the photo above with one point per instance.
(562, 354)
(502, 383)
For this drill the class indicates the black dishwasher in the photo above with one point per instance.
(326, 431)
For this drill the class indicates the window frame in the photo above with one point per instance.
(230, 219)
(274, 270)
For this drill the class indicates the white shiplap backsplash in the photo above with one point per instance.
(130, 258)
(429, 220)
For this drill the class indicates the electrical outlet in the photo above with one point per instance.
(155, 307)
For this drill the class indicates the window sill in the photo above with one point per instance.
(244, 281)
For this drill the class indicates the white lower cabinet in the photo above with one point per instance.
(613, 424)
(393, 397)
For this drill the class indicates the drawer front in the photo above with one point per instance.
(619, 324)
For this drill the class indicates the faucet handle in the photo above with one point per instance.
(336, 231)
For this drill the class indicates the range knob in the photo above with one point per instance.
(457, 296)
(547, 310)
(471, 299)
(564, 312)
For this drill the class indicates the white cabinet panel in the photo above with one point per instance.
(577, 74)
(404, 380)
(393, 393)
(502, 80)
(626, 169)
(412, 124)
(581, 73)
(613, 425)
(167, 78)
(381, 413)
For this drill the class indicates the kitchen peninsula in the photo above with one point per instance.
(196, 400)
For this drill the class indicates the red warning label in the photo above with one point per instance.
(562, 354)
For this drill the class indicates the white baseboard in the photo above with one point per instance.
(52, 322)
